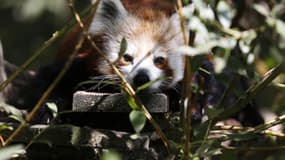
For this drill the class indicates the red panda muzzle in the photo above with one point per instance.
(141, 78)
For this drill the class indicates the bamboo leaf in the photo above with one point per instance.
(53, 108)
(261, 9)
(280, 28)
(132, 102)
(138, 120)
(146, 85)
(123, 47)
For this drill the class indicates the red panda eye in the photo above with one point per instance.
(128, 58)
(159, 61)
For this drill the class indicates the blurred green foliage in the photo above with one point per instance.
(26, 24)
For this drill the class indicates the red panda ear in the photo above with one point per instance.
(108, 14)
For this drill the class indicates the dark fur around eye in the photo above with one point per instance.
(128, 58)
(159, 61)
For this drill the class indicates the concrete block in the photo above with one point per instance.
(116, 102)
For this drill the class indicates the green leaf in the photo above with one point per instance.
(132, 102)
(205, 10)
(146, 85)
(261, 9)
(123, 47)
(280, 27)
(7, 152)
(138, 120)
(111, 155)
(75, 136)
(278, 85)
(5, 127)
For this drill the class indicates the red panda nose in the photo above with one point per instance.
(141, 78)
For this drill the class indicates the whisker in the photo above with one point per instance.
(103, 81)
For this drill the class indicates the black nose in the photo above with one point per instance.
(141, 78)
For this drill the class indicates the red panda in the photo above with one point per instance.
(152, 31)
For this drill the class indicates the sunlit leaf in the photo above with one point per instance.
(138, 120)
(5, 127)
(261, 9)
(280, 28)
(111, 155)
(271, 21)
(226, 42)
(195, 51)
(246, 39)
(201, 30)
(250, 58)
(75, 136)
(53, 108)
(278, 85)
(277, 10)
(206, 48)
(225, 13)
(206, 12)
(7, 152)
(219, 64)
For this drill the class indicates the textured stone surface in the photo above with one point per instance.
(71, 142)
(104, 102)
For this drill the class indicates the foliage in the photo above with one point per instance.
(245, 39)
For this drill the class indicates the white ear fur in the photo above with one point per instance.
(108, 14)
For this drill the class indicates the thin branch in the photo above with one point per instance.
(187, 102)
(268, 148)
(53, 84)
(31, 59)
(251, 92)
(249, 130)
(46, 93)
(263, 127)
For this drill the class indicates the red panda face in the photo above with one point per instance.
(151, 44)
